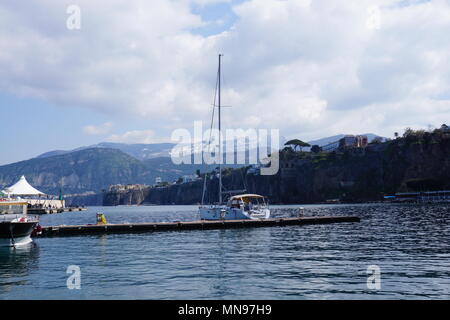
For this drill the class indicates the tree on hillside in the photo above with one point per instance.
(296, 143)
(414, 133)
(316, 149)
(287, 149)
(377, 140)
(408, 132)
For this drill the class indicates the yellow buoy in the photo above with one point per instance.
(101, 218)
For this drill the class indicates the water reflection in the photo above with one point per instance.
(16, 264)
(219, 285)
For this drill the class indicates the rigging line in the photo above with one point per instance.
(210, 133)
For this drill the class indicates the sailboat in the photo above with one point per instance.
(238, 207)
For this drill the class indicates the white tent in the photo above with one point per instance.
(22, 188)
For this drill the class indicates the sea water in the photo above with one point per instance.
(409, 244)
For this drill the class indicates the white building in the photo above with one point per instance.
(22, 188)
(34, 197)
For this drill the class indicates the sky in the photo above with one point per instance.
(134, 71)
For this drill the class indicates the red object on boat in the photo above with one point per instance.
(37, 230)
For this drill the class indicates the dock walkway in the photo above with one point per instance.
(52, 210)
(191, 225)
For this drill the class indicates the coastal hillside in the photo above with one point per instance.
(90, 171)
(77, 172)
(418, 161)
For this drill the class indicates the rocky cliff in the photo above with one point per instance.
(418, 161)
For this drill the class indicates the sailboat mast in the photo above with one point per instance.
(220, 134)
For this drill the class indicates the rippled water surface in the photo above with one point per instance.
(410, 244)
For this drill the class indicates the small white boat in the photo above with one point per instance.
(15, 225)
(244, 206)
(238, 207)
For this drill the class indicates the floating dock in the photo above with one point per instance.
(191, 225)
(52, 210)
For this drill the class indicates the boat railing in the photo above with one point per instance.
(10, 217)
(254, 207)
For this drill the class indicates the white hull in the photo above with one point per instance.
(16, 229)
(17, 242)
(227, 213)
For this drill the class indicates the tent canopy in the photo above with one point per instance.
(22, 188)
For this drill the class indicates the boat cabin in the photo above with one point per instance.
(13, 207)
(248, 201)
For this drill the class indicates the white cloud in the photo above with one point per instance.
(209, 2)
(310, 68)
(102, 129)
(137, 136)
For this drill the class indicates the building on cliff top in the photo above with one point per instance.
(127, 187)
(347, 142)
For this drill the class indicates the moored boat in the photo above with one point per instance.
(238, 207)
(15, 225)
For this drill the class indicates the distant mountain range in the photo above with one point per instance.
(138, 151)
(142, 151)
(93, 168)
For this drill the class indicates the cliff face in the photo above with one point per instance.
(125, 197)
(416, 162)
(84, 200)
(413, 163)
